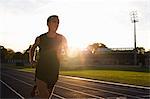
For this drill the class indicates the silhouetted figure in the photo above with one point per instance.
(50, 46)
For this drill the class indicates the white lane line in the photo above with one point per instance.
(31, 85)
(96, 89)
(18, 80)
(120, 84)
(59, 87)
(105, 82)
(89, 87)
(59, 96)
(146, 96)
(80, 92)
(12, 89)
(92, 88)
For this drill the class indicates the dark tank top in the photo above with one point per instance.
(48, 63)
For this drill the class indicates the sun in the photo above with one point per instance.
(75, 48)
(76, 45)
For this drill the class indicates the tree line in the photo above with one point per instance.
(9, 54)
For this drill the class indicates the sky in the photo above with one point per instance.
(82, 22)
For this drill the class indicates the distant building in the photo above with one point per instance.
(113, 56)
(102, 50)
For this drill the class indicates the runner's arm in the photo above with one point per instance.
(32, 49)
(65, 46)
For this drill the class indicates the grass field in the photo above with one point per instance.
(127, 76)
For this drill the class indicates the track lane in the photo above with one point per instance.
(74, 81)
(22, 85)
(8, 92)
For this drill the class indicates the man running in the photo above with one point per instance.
(51, 45)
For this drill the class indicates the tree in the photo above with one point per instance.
(3, 53)
(27, 50)
(18, 56)
(10, 54)
(6, 54)
(26, 53)
(141, 56)
(93, 47)
(140, 50)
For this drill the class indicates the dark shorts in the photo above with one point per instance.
(49, 79)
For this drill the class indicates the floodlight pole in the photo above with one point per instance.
(135, 50)
(134, 20)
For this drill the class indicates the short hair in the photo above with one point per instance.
(51, 17)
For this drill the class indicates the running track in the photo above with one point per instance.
(16, 84)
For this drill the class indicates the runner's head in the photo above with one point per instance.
(53, 22)
(52, 17)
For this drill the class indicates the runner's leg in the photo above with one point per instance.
(33, 92)
(51, 89)
(42, 88)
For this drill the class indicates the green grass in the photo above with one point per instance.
(121, 75)
(32, 70)
(128, 77)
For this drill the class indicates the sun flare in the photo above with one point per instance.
(75, 48)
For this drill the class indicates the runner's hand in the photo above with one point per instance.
(33, 63)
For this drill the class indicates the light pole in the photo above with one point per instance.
(134, 19)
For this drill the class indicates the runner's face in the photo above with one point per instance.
(53, 24)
